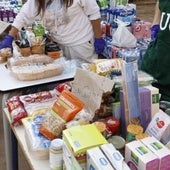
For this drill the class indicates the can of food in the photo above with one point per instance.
(141, 136)
(101, 127)
(132, 131)
(118, 142)
(113, 124)
(56, 154)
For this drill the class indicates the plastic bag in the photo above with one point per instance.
(122, 37)
(37, 144)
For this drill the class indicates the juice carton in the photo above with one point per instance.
(159, 150)
(154, 95)
(114, 156)
(96, 160)
(139, 157)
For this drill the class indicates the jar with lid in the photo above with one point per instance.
(56, 154)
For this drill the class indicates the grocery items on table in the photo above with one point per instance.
(118, 133)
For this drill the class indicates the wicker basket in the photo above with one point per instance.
(54, 54)
(38, 49)
(25, 51)
(3, 59)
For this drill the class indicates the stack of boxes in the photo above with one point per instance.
(147, 154)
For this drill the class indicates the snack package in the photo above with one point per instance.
(142, 30)
(67, 105)
(16, 110)
(104, 67)
(52, 126)
(39, 102)
(37, 144)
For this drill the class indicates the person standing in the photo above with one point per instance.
(156, 60)
(73, 24)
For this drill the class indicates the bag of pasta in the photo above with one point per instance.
(52, 126)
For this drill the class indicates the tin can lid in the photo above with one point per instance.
(117, 141)
(57, 144)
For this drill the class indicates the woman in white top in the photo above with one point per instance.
(74, 25)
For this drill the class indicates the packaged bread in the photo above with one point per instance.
(36, 71)
(35, 58)
(34, 67)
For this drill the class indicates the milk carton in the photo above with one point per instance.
(139, 157)
(159, 150)
(96, 160)
(114, 156)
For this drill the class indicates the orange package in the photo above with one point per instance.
(67, 105)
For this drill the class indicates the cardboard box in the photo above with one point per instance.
(145, 103)
(96, 160)
(154, 96)
(82, 137)
(149, 106)
(114, 156)
(159, 127)
(139, 157)
(162, 152)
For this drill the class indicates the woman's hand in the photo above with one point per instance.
(154, 31)
(99, 44)
(6, 42)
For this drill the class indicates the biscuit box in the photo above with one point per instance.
(81, 138)
(159, 150)
(139, 157)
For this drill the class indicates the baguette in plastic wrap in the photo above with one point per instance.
(35, 58)
(34, 67)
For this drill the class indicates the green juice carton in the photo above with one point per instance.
(139, 157)
(160, 150)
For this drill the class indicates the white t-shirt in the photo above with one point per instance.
(69, 27)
